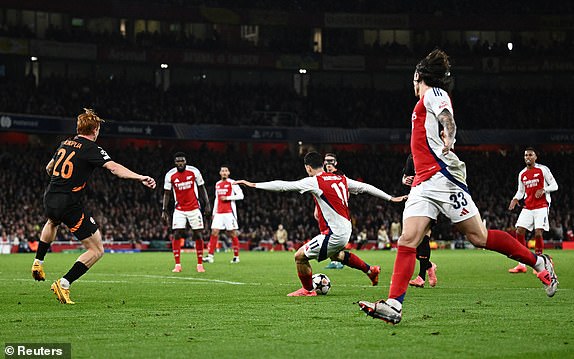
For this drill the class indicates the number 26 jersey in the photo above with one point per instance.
(74, 161)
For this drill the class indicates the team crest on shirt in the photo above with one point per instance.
(188, 178)
(536, 174)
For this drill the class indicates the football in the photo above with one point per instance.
(321, 283)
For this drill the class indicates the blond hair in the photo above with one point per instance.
(88, 122)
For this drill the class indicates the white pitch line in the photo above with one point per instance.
(180, 278)
(79, 280)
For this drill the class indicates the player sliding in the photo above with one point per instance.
(331, 193)
(440, 187)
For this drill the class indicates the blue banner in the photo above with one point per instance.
(67, 126)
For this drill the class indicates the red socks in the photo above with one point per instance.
(306, 280)
(354, 261)
(235, 245)
(213, 244)
(539, 245)
(199, 250)
(502, 242)
(521, 238)
(176, 248)
(402, 272)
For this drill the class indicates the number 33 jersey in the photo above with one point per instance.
(74, 162)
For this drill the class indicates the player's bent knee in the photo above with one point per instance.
(339, 257)
(477, 239)
(408, 240)
(300, 257)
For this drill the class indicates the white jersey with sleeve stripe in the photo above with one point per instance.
(356, 187)
(184, 185)
(330, 192)
(426, 142)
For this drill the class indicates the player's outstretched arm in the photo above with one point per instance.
(125, 173)
(303, 185)
(399, 199)
(356, 187)
(244, 183)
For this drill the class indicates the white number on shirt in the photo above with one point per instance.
(341, 192)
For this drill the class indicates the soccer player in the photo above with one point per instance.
(69, 171)
(330, 165)
(185, 182)
(225, 214)
(423, 250)
(440, 186)
(331, 193)
(535, 182)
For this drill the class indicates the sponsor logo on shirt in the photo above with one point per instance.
(181, 186)
(104, 154)
(532, 183)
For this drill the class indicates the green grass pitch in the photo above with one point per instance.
(133, 306)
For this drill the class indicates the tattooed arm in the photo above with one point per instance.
(447, 121)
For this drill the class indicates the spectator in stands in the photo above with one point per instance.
(281, 237)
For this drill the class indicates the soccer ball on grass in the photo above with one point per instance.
(321, 283)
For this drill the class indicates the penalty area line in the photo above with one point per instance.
(152, 276)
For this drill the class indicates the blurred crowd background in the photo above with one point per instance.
(126, 211)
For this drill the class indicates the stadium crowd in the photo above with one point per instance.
(296, 41)
(128, 212)
(242, 104)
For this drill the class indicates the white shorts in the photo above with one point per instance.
(324, 246)
(437, 195)
(533, 219)
(224, 221)
(181, 218)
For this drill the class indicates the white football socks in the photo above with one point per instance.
(395, 304)
(539, 266)
(64, 283)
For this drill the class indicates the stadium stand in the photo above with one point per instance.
(132, 214)
(243, 104)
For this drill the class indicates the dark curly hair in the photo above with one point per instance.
(434, 70)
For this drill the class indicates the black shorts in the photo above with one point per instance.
(65, 208)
